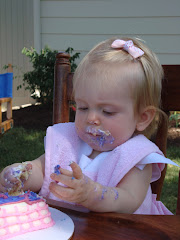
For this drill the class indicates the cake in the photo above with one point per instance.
(21, 214)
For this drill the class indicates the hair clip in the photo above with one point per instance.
(128, 46)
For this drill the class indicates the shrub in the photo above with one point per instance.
(40, 80)
(176, 117)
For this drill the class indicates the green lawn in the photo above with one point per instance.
(170, 187)
(19, 145)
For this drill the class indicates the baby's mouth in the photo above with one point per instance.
(97, 132)
(99, 136)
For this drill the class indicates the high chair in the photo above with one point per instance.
(63, 99)
(8, 123)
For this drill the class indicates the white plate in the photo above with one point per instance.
(63, 229)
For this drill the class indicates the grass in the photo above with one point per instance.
(19, 145)
(170, 187)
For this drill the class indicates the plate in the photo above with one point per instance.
(63, 229)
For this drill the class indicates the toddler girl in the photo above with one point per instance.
(104, 161)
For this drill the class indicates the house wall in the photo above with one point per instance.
(82, 24)
(16, 32)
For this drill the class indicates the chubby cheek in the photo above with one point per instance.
(78, 122)
(80, 128)
(82, 134)
(121, 135)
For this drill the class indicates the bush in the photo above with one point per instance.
(176, 117)
(40, 80)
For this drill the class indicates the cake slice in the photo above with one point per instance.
(21, 214)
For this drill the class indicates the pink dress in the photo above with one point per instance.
(63, 145)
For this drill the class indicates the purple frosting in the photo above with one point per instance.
(56, 169)
(31, 196)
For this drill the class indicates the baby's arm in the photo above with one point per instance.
(34, 177)
(35, 180)
(125, 198)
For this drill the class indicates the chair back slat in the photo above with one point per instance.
(171, 88)
(60, 101)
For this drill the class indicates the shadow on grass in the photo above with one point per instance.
(170, 186)
(19, 145)
(169, 194)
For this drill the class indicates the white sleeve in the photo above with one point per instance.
(157, 166)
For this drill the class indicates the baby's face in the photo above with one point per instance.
(105, 117)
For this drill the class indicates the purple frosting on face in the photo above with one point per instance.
(100, 137)
(31, 196)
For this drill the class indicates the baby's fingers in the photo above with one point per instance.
(61, 192)
(66, 180)
(66, 172)
(77, 172)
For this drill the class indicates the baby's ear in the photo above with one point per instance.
(145, 118)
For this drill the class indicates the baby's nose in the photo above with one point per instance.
(93, 118)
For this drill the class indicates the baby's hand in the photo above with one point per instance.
(77, 185)
(6, 179)
(13, 177)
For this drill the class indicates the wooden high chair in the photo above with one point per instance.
(8, 123)
(170, 102)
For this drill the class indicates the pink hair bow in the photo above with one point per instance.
(128, 46)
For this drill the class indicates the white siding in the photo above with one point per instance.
(16, 32)
(82, 24)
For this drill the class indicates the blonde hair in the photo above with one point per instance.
(146, 72)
